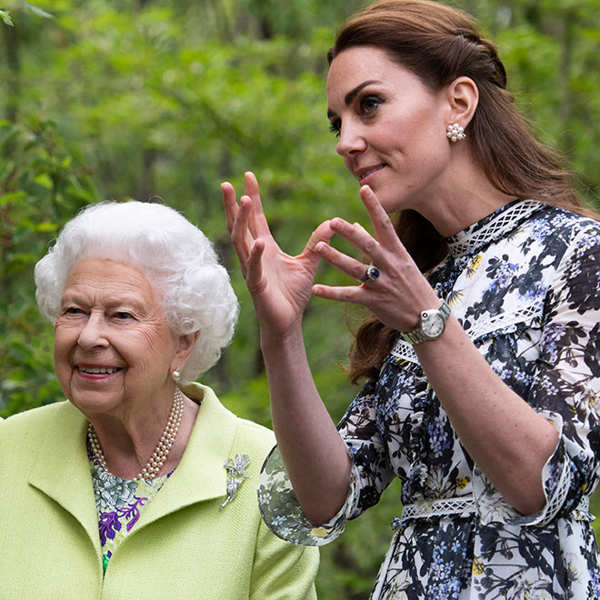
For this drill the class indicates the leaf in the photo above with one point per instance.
(6, 199)
(5, 16)
(44, 180)
(47, 227)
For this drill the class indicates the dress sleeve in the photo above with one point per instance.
(371, 473)
(565, 391)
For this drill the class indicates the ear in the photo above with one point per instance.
(184, 346)
(463, 97)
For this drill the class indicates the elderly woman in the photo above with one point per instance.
(141, 484)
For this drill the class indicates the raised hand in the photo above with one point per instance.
(400, 292)
(280, 284)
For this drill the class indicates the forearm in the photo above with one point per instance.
(507, 439)
(315, 456)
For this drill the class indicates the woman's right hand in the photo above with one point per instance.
(280, 284)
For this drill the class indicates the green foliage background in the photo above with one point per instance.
(163, 99)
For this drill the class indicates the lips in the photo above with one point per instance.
(363, 173)
(96, 371)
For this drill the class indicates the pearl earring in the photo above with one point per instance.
(455, 132)
(176, 375)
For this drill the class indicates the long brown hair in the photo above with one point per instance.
(439, 44)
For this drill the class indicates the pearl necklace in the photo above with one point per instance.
(152, 468)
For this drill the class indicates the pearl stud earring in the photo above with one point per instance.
(455, 132)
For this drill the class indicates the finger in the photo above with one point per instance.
(259, 223)
(323, 233)
(353, 294)
(230, 204)
(251, 184)
(382, 225)
(254, 273)
(241, 236)
(342, 261)
(359, 237)
(237, 227)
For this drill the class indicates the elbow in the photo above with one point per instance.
(319, 512)
(318, 517)
(532, 499)
(531, 505)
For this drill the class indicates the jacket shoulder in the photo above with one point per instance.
(36, 416)
(258, 437)
(23, 429)
(248, 437)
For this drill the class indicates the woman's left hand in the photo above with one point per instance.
(401, 292)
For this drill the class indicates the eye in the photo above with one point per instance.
(335, 126)
(73, 310)
(122, 315)
(369, 104)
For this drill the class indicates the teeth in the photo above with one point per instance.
(370, 171)
(99, 371)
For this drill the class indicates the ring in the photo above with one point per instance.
(371, 274)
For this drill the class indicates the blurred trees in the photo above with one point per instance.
(163, 99)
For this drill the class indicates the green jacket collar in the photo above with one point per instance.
(61, 470)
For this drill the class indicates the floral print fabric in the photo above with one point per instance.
(119, 503)
(524, 282)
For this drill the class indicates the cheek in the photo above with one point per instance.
(62, 364)
(64, 341)
(151, 347)
(428, 145)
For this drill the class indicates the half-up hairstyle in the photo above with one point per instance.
(439, 44)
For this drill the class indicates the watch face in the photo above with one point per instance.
(432, 324)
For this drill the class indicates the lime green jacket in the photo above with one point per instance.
(183, 546)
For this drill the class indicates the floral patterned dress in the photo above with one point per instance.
(524, 283)
(119, 503)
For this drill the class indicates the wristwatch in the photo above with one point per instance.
(431, 325)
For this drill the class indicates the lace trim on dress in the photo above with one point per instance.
(466, 505)
(492, 227)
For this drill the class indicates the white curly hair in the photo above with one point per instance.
(176, 257)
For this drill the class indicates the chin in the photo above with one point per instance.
(95, 402)
(392, 206)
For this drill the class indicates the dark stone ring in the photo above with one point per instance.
(371, 274)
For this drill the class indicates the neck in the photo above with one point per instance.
(127, 445)
(464, 197)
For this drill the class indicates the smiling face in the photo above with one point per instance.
(113, 350)
(391, 128)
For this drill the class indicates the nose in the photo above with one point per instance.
(92, 333)
(351, 140)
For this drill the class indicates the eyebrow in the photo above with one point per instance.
(349, 97)
(126, 300)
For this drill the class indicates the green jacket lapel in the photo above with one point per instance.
(200, 476)
(62, 471)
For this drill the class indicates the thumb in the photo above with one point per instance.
(323, 233)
